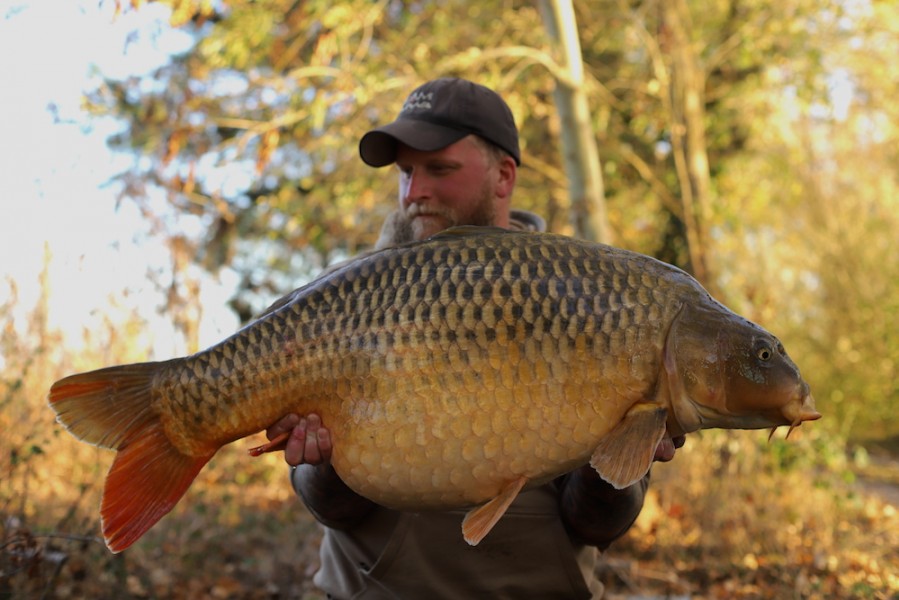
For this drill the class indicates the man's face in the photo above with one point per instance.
(458, 185)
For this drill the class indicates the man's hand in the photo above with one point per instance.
(666, 448)
(307, 447)
(308, 441)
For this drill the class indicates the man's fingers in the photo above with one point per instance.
(308, 443)
(313, 422)
(285, 424)
(312, 455)
(324, 444)
(294, 451)
(667, 447)
(278, 435)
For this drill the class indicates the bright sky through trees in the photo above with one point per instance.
(56, 166)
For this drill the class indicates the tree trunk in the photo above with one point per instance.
(686, 105)
(580, 154)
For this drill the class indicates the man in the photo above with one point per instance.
(455, 145)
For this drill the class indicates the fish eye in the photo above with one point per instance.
(764, 353)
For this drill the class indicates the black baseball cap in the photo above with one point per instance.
(439, 113)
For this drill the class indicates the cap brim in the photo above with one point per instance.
(378, 147)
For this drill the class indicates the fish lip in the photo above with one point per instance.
(801, 410)
(805, 411)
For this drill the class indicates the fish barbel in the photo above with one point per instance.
(452, 372)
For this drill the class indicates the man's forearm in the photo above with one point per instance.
(594, 512)
(328, 498)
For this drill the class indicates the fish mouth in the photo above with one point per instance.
(799, 411)
(792, 414)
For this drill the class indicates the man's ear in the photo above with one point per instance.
(508, 171)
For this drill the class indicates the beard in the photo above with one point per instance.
(423, 221)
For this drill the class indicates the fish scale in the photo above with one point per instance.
(327, 344)
(452, 372)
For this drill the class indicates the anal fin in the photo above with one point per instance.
(625, 454)
(479, 521)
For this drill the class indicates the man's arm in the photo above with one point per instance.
(594, 512)
(328, 498)
(308, 452)
(597, 514)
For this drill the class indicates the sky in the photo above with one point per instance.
(56, 169)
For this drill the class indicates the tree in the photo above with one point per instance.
(580, 154)
(685, 101)
(253, 132)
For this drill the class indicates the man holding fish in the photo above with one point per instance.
(455, 146)
(462, 379)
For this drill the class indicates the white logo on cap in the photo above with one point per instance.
(418, 101)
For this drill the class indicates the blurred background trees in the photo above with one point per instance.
(751, 142)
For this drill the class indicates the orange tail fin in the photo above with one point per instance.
(112, 408)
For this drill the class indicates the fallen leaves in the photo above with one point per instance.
(755, 529)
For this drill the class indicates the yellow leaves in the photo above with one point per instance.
(325, 50)
(422, 52)
(751, 562)
(736, 527)
(173, 145)
(337, 15)
(184, 11)
(366, 200)
(267, 145)
(185, 184)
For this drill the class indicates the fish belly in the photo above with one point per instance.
(457, 447)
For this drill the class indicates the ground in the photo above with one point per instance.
(733, 516)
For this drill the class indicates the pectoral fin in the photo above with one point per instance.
(279, 442)
(625, 454)
(479, 521)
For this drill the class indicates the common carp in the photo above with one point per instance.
(453, 372)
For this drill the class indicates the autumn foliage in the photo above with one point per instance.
(753, 142)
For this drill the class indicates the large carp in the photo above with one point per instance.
(453, 372)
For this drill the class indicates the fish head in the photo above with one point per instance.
(725, 371)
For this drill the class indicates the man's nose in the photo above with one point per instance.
(413, 188)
